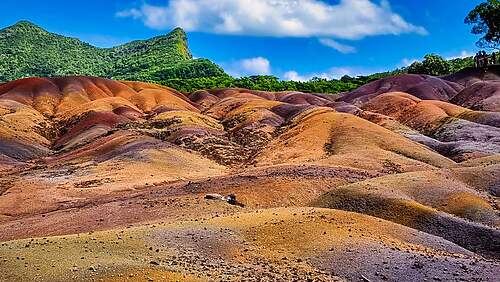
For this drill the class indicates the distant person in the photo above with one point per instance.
(485, 59)
(494, 58)
(481, 59)
(476, 60)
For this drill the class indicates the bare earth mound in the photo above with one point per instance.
(107, 180)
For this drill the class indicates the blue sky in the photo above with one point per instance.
(292, 39)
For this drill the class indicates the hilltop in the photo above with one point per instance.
(27, 50)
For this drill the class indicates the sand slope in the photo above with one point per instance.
(106, 180)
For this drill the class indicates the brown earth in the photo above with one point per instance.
(106, 180)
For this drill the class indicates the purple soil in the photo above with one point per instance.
(21, 151)
(230, 92)
(202, 95)
(330, 97)
(344, 107)
(289, 111)
(469, 76)
(298, 98)
(421, 86)
(128, 112)
(481, 96)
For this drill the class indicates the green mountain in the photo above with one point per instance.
(28, 50)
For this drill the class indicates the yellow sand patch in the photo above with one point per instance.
(69, 108)
(325, 137)
(148, 99)
(190, 118)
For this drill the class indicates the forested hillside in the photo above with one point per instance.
(27, 50)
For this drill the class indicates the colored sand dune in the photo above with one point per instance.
(105, 179)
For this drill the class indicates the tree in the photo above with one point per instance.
(416, 68)
(432, 65)
(346, 78)
(485, 19)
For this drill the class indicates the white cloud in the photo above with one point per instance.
(349, 19)
(344, 49)
(133, 13)
(406, 62)
(256, 65)
(152, 16)
(249, 66)
(339, 72)
(463, 54)
(295, 76)
(332, 73)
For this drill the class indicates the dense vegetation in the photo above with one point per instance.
(431, 65)
(27, 50)
(485, 20)
(272, 83)
(437, 66)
